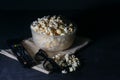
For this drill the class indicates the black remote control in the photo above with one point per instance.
(22, 55)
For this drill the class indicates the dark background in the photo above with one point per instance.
(98, 20)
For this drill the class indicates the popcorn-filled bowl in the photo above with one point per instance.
(53, 43)
(53, 33)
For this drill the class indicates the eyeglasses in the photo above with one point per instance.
(48, 63)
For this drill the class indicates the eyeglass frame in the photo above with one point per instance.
(42, 53)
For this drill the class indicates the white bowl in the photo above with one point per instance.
(53, 43)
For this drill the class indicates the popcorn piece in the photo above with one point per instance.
(66, 57)
(62, 34)
(74, 68)
(70, 29)
(71, 24)
(66, 30)
(58, 31)
(71, 69)
(35, 23)
(51, 33)
(64, 71)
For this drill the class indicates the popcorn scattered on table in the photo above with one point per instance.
(67, 62)
(53, 25)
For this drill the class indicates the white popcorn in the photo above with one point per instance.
(54, 22)
(66, 57)
(60, 63)
(62, 34)
(70, 29)
(73, 56)
(75, 64)
(56, 56)
(66, 30)
(35, 28)
(60, 21)
(58, 31)
(58, 18)
(59, 54)
(64, 71)
(39, 20)
(54, 17)
(74, 68)
(53, 57)
(71, 69)
(49, 29)
(67, 60)
(35, 23)
(51, 33)
(70, 24)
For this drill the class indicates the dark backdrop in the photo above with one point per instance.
(94, 18)
(98, 20)
(53, 4)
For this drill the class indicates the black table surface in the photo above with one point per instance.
(100, 59)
